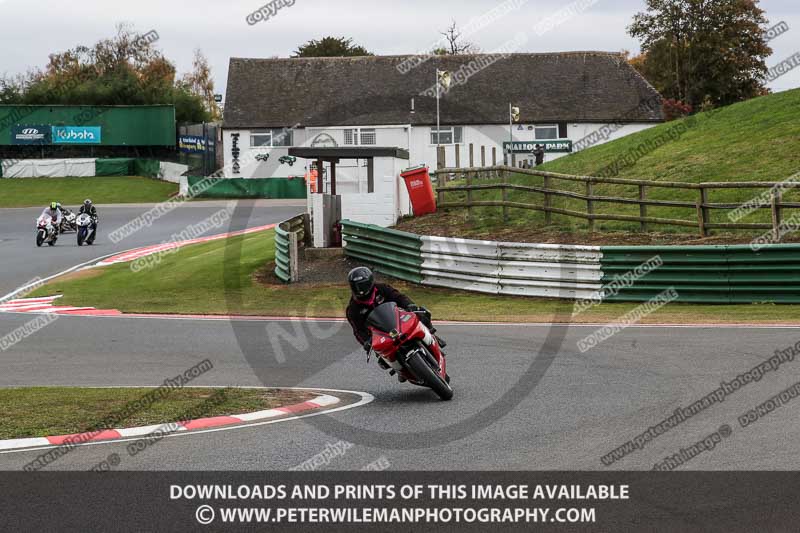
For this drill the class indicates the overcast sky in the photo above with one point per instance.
(31, 29)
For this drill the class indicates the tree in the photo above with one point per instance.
(454, 45)
(122, 70)
(201, 83)
(331, 47)
(11, 89)
(700, 51)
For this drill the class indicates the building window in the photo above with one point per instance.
(282, 137)
(548, 131)
(447, 135)
(271, 137)
(368, 136)
(359, 136)
(260, 138)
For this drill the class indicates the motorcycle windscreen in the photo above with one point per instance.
(383, 317)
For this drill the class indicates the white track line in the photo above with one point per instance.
(365, 399)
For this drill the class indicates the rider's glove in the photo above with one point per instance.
(414, 308)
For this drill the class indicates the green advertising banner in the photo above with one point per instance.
(550, 146)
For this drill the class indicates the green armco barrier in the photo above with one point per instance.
(699, 274)
(282, 268)
(391, 252)
(707, 274)
(287, 232)
(117, 166)
(253, 188)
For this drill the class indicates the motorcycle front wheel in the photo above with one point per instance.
(422, 370)
(81, 236)
(39, 237)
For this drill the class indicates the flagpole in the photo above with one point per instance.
(510, 134)
(438, 116)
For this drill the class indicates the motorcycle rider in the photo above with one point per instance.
(64, 213)
(55, 214)
(89, 208)
(366, 296)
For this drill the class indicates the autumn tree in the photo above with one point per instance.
(125, 69)
(701, 51)
(201, 83)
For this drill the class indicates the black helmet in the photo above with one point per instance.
(87, 203)
(361, 282)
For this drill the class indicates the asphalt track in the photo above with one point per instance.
(20, 260)
(526, 398)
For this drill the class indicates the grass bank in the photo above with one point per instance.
(71, 192)
(50, 411)
(756, 140)
(227, 277)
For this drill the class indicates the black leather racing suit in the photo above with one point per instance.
(92, 212)
(358, 311)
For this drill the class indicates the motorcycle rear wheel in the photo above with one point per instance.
(422, 370)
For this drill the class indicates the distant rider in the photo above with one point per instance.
(367, 295)
(55, 213)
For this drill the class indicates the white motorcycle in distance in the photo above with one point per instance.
(87, 229)
(69, 223)
(45, 231)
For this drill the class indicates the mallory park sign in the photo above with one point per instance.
(550, 146)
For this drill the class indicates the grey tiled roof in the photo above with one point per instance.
(551, 87)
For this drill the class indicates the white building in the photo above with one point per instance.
(568, 100)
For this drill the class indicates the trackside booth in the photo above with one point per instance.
(370, 191)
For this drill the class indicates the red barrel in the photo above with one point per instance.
(420, 190)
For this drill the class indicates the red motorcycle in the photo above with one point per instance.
(408, 347)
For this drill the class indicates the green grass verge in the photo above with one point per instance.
(51, 411)
(756, 140)
(27, 192)
(220, 277)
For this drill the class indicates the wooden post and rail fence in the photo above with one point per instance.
(702, 207)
